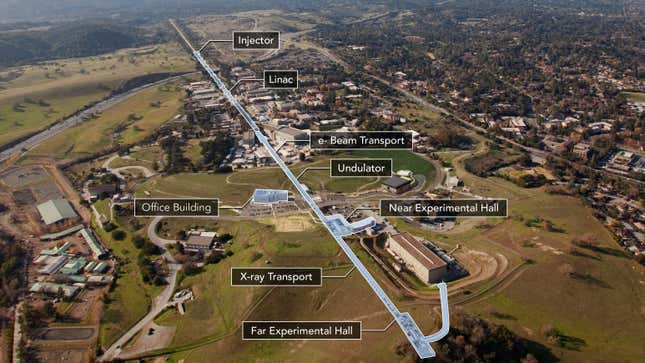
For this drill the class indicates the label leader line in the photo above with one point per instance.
(419, 341)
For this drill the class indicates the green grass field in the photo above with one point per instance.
(103, 207)
(129, 300)
(599, 314)
(600, 309)
(33, 117)
(67, 85)
(210, 326)
(413, 113)
(193, 151)
(593, 298)
(236, 188)
(143, 156)
(232, 188)
(136, 116)
(635, 96)
(402, 160)
(219, 307)
(148, 154)
(318, 180)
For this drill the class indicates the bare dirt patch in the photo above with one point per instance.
(47, 191)
(21, 177)
(68, 333)
(64, 355)
(292, 224)
(546, 248)
(24, 197)
(81, 311)
(480, 265)
(151, 337)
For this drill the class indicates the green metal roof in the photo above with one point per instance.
(56, 210)
(73, 266)
(95, 246)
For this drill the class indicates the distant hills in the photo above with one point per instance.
(36, 10)
(65, 41)
(33, 9)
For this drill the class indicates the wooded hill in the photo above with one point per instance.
(67, 41)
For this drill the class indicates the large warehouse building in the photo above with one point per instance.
(56, 210)
(417, 257)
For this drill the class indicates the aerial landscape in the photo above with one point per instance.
(322, 181)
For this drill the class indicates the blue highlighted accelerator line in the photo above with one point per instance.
(418, 340)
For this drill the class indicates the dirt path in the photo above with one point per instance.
(66, 187)
(152, 337)
(147, 173)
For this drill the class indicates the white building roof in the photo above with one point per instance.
(56, 210)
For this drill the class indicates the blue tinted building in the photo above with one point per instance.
(270, 196)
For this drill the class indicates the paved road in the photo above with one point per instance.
(57, 128)
(159, 303)
(152, 235)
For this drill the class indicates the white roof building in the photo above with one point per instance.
(56, 210)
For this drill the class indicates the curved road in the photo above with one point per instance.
(159, 303)
(117, 171)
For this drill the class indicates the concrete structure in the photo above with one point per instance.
(262, 157)
(56, 210)
(453, 182)
(90, 266)
(248, 138)
(417, 257)
(622, 159)
(100, 280)
(397, 185)
(97, 250)
(104, 189)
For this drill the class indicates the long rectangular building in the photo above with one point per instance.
(418, 258)
(97, 250)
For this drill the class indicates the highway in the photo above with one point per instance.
(76, 119)
(416, 337)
